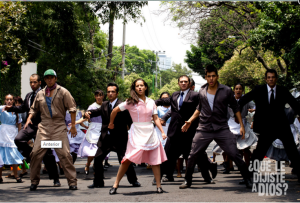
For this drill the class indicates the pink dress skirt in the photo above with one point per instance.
(144, 145)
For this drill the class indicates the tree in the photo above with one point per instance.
(108, 11)
(278, 31)
(170, 87)
(174, 72)
(246, 69)
(12, 21)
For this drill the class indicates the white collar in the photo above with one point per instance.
(36, 91)
(114, 102)
(145, 100)
(185, 91)
(269, 88)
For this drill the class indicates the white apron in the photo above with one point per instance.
(143, 136)
(7, 135)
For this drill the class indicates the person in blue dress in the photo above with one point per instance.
(162, 110)
(10, 125)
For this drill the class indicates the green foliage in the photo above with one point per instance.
(12, 20)
(174, 72)
(169, 87)
(278, 31)
(246, 69)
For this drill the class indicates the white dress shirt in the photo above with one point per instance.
(270, 92)
(184, 95)
(113, 103)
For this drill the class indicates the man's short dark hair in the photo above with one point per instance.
(113, 84)
(192, 82)
(36, 75)
(184, 76)
(271, 71)
(100, 92)
(211, 68)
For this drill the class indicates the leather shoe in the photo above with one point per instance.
(56, 183)
(113, 191)
(159, 190)
(33, 187)
(73, 187)
(226, 171)
(213, 168)
(166, 179)
(209, 181)
(136, 184)
(248, 183)
(154, 181)
(185, 185)
(95, 186)
(1, 180)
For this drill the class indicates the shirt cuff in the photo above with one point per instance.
(155, 111)
(72, 109)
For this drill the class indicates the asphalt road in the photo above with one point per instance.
(227, 188)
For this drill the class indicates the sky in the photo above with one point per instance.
(154, 35)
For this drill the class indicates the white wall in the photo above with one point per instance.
(27, 70)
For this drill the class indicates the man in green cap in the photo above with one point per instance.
(52, 102)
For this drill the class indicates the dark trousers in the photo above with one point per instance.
(266, 139)
(226, 140)
(174, 148)
(98, 164)
(21, 141)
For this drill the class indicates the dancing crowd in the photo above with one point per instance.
(162, 133)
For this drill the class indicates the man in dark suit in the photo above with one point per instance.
(183, 105)
(29, 133)
(111, 140)
(270, 120)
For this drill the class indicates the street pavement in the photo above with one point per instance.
(226, 189)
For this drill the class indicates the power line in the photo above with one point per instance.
(150, 35)
(145, 38)
(154, 28)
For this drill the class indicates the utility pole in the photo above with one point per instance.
(156, 69)
(123, 48)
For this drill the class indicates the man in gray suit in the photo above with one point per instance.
(212, 114)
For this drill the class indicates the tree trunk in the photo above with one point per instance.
(112, 13)
(280, 66)
(91, 31)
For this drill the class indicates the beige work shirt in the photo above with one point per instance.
(53, 128)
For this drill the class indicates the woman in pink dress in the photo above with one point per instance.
(144, 145)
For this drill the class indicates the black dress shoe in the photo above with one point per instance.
(104, 169)
(1, 180)
(159, 190)
(73, 187)
(242, 182)
(56, 183)
(113, 191)
(166, 179)
(95, 186)
(154, 181)
(226, 171)
(248, 183)
(33, 187)
(19, 180)
(136, 184)
(209, 181)
(213, 168)
(185, 185)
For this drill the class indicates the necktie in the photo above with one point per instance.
(32, 98)
(272, 98)
(109, 109)
(181, 100)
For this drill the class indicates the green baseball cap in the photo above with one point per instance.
(50, 72)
